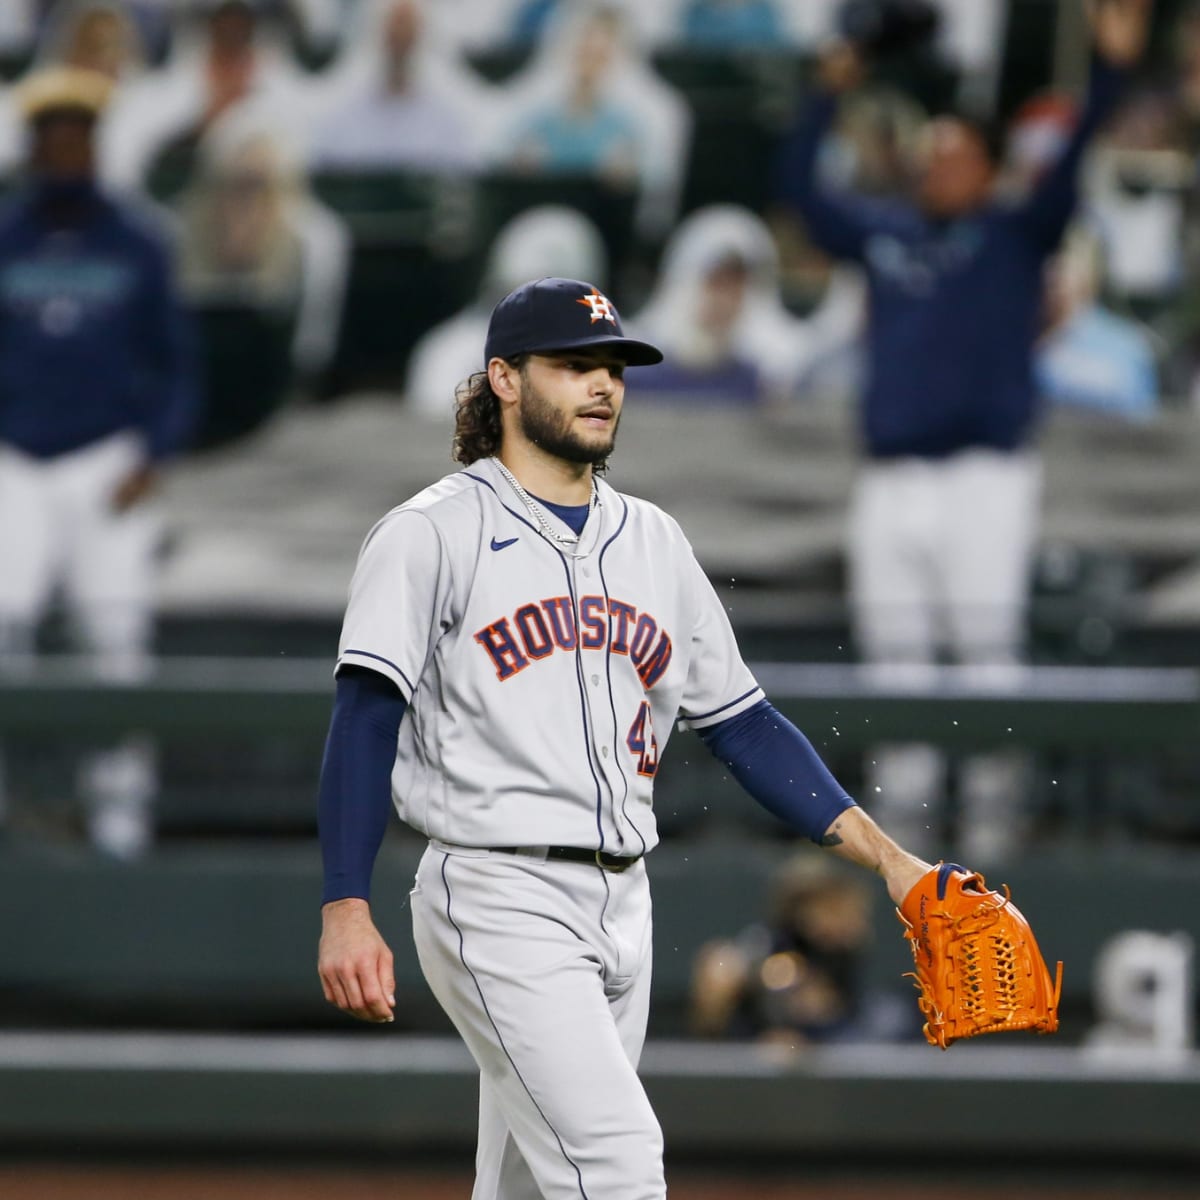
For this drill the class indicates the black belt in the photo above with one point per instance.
(597, 858)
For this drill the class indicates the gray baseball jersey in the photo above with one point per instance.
(543, 680)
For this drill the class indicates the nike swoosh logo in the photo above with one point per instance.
(501, 545)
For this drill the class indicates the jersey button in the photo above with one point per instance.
(604, 751)
(595, 681)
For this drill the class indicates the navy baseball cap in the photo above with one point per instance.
(547, 315)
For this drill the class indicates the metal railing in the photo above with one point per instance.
(856, 705)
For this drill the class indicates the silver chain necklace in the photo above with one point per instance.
(535, 509)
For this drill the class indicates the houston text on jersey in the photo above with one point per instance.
(536, 630)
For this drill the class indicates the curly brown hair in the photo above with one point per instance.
(477, 430)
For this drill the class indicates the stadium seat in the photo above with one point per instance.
(414, 262)
(740, 103)
(247, 369)
(503, 194)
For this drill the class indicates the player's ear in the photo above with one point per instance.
(505, 380)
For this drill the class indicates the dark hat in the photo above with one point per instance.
(561, 314)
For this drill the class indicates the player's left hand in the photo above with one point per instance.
(1120, 29)
(355, 963)
(134, 487)
(978, 966)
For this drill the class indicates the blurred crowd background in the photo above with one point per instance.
(342, 177)
(340, 190)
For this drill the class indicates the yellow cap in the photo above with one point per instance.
(64, 88)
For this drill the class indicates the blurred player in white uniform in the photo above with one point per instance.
(519, 643)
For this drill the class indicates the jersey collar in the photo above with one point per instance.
(599, 520)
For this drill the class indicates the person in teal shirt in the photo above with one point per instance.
(599, 139)
(1090, 357)
(732, 24)
(587, 130)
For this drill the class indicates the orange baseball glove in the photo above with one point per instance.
(979, 969)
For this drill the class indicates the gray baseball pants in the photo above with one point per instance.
(544, 969)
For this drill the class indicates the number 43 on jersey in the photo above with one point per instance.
(642, 742)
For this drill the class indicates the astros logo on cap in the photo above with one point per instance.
(601, 307)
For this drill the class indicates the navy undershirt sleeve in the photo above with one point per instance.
(778, 766)
(356, 790)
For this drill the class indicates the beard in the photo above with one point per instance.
(549, 428)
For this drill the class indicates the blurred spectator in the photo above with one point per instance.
(727, 25)
(97, 391)
(264, 265)
(588, 130)
(95, 35)
(547, 241)
(944, 518)
(796, 977)
(590, 104)
(403, 102)
(1137, 188)
(224, 54)
(875, 143)
(1089, 357)
(717, 314)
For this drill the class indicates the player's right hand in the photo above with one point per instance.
(354, 962)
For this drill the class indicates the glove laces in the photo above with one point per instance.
(991, 990)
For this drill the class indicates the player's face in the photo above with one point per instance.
(62, 145)
(570, 404)
(958, 175)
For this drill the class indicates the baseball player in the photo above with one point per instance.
(944, 520)
(519, 642)
(97, 393)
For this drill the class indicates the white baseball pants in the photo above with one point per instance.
(58, 529)
(544, 968)
(940, 558)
